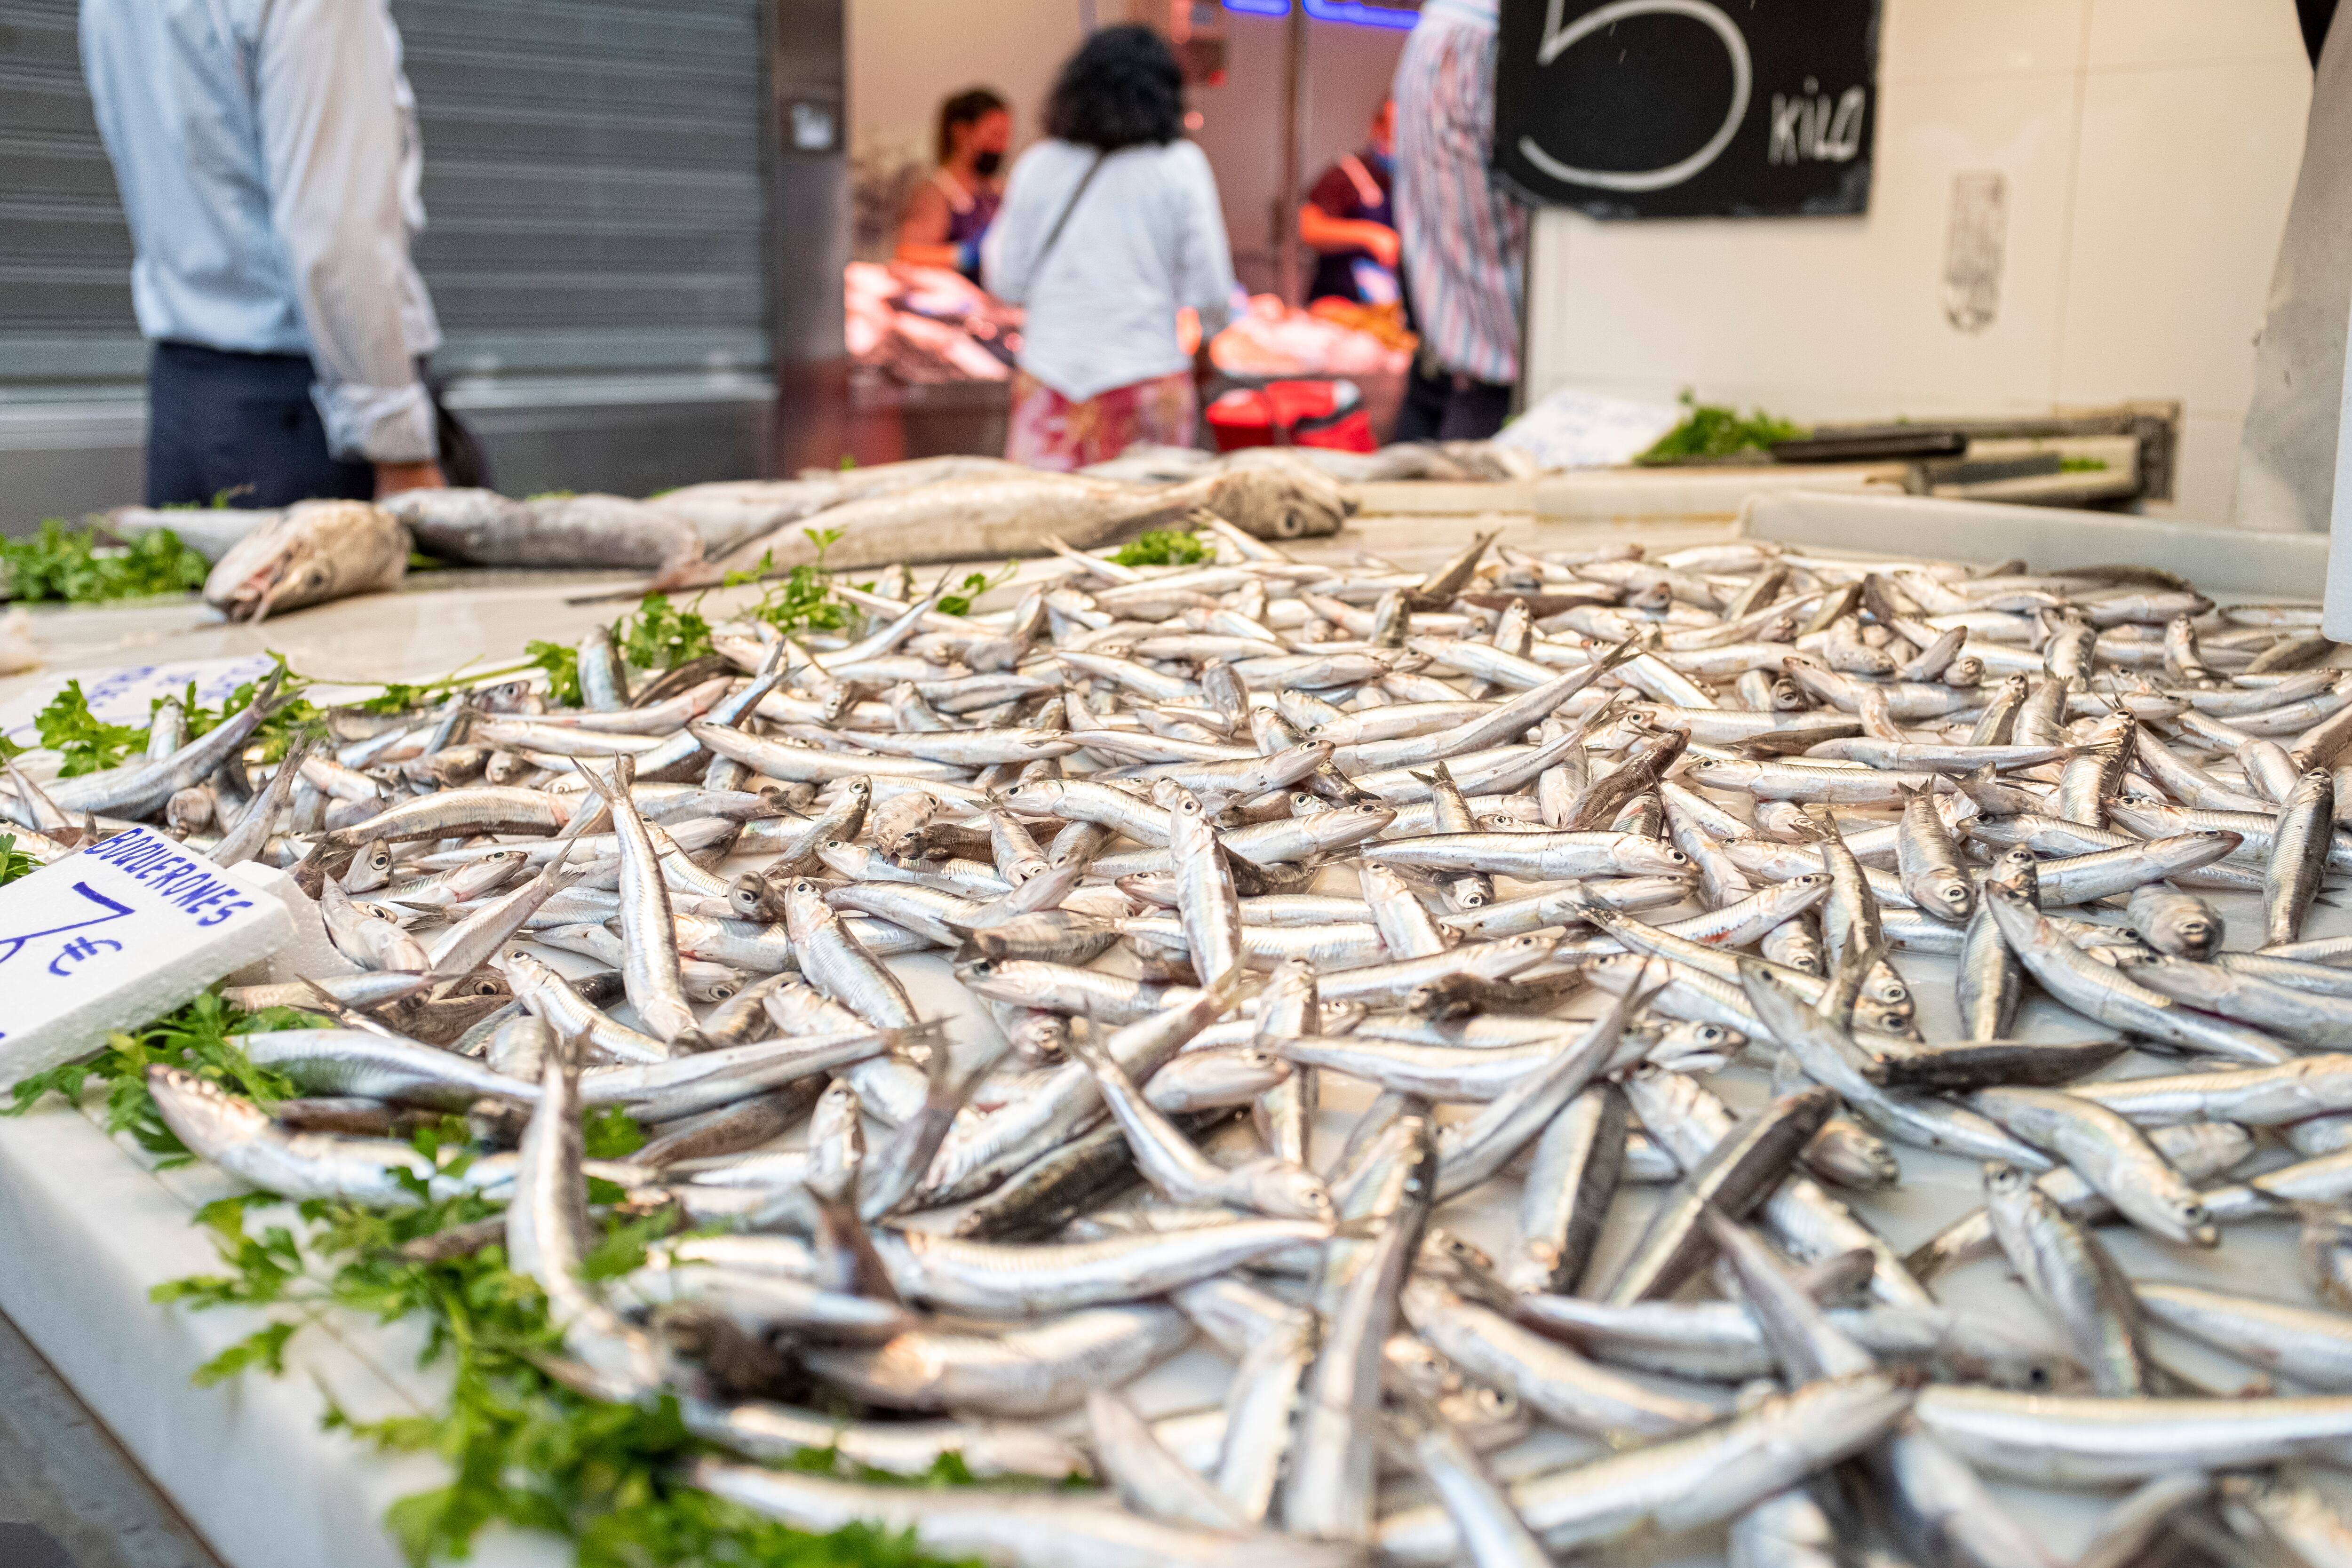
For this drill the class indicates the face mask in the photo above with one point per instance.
(985, 164)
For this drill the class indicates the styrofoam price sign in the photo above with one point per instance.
(119, 934)
(125, 695)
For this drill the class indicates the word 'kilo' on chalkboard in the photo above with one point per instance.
(1687, 108)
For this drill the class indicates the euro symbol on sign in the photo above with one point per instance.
(12, 945)
(80, 950)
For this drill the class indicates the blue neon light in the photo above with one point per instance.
(1359, 16)
(1350, 11)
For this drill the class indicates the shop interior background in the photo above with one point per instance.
(631, 202)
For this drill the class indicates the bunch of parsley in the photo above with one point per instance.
(1710, 430)
(1164, 547)
(803, 599)
(660, 636)
(86, 742)
(200, 1037)
(81, 570)
(521, 1448)
(561, 662)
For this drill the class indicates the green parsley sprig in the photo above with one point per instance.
(81, 569)
(200, 1037)
(661, 635)
(523, 1448)
(1163, 547)
(1711, 430)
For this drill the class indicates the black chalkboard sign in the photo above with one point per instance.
(1687, 108)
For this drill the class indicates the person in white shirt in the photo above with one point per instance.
(1110, 228)
(269, 161)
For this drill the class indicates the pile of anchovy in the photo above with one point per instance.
(1293, 902)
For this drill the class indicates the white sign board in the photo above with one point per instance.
(1576, 430)
(117, 935)
(124, 695)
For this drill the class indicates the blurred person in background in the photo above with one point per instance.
(1464, 242)
(949, 213)
(269, 159)
(1349, 221)
(1110, 227)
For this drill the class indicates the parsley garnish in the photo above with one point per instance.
(199, 1038)
(561, 662)
(662, 636)
(77, 569)
(87, 743)
(1164, 547)
(1709, 430)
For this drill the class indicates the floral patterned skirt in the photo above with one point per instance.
(1049, 431)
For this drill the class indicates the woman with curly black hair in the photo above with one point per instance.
(1110, 227)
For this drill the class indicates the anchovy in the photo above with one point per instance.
(1681, 1483)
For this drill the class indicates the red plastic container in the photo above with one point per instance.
(1327, 414)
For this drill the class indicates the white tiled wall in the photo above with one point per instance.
(2150, 152)
(907, 56)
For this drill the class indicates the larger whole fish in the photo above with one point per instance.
(992, 518)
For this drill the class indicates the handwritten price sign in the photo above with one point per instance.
(111, 937)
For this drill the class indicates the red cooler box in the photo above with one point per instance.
(1293, 414)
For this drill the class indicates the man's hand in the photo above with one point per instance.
(1337, 235)
(391, 479)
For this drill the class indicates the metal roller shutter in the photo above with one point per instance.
(65, 252)
(592, 183)
(595, 185)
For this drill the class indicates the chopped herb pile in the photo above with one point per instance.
(1163, 547)
(1710, 430)
(523, 1450)
(802, 600)
(79, 569)
(973, 585)
(14, 864)
(89, 744)
(200, 1038)
(660, 636)
(561, 663)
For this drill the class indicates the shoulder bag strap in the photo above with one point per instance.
(1037, 267)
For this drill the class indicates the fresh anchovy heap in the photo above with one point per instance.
(1484, 1005)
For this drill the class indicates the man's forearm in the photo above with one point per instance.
(391, 479)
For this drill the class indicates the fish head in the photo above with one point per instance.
(1650, 856)
(2015, 877)
(1693, 1047)
(1954, 894)
(752, 897)
(2006, 1185)
(1035, 796)
(479, 986)
(1251, 1065)
(2193, 932)
(1284, 1191)
(804, 908)
(1722, 772)
(1533, 947)
(311, 553)
(203, 1114)
(2190, 1220)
